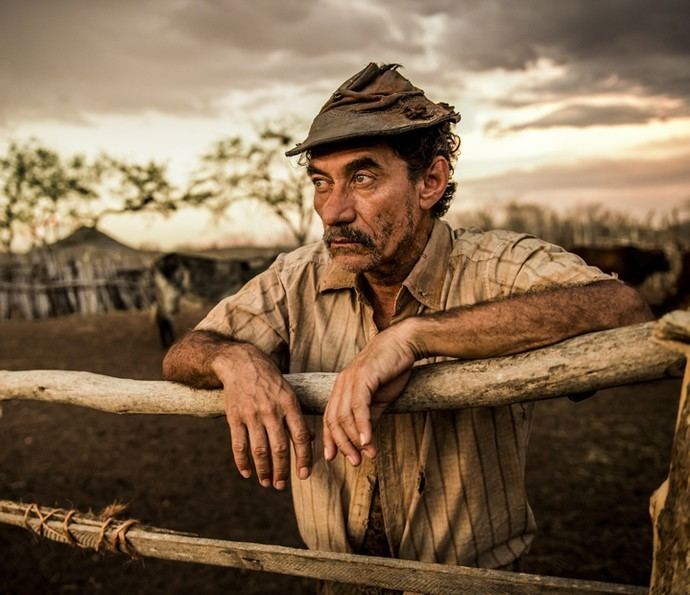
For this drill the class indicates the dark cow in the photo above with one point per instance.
(630, 263)
(176, 275)
(679, 295)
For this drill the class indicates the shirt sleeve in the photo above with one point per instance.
(546, 265)
(256, 314)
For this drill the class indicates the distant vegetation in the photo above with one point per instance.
(256, 169)
(585, 225)
(45, 196)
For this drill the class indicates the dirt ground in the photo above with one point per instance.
(591, 470)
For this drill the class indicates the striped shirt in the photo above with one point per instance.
(451, 483)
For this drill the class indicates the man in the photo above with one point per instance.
(389, 287)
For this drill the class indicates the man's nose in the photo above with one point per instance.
(338, 207)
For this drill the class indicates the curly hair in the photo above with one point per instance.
(418, 148)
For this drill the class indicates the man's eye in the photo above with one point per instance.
(361, 178)
(319, 184)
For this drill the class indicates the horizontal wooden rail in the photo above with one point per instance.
(579, 365)
(89, 532)
(62, 284)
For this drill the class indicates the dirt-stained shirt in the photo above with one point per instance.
(451, 482)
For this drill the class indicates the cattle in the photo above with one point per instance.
(176, 275)
(629, 263)
(678, 297)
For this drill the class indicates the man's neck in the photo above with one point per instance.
(383, 286)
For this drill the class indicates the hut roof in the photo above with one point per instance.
(90, 237)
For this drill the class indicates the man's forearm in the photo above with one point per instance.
(191, 360)
(261, 408)
(484, 330)
(526, 322)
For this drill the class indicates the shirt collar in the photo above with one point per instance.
(425, 280)
(337, 278)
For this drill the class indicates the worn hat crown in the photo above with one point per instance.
(376, 101)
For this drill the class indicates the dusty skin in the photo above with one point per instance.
(591, 470)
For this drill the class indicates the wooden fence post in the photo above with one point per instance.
(670, 504)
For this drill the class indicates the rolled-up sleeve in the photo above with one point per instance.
(546, 265)
(256, 314)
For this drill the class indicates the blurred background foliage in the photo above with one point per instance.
(45, 196)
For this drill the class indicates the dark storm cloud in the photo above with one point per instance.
(69, 58)
(629, 46)
(637, 41)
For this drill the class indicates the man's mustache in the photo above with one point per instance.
(347, 234)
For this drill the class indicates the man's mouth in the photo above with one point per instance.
(346, 238)
(343, 242)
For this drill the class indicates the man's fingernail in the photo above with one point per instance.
(246, 473)
(303, 472)
(352, 460)
(325, 454)
(266, 483)
(361, 439)
(280, 485)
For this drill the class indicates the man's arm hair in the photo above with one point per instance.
(190, 360)
(527, 321)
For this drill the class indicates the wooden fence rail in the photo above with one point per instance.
(583, 364)
(85, 532)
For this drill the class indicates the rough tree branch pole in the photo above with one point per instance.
(583, 364)
(670, 504)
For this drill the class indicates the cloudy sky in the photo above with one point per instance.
(564, 103)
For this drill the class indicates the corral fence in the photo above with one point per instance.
(49, 284)
(584, 364)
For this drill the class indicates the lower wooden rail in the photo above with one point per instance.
(131, 538)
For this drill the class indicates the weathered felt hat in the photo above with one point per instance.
(376, 101)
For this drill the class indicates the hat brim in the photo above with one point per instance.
(336, 126)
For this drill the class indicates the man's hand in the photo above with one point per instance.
(361, 392)
(263, 414)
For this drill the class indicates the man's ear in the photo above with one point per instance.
(434, 182)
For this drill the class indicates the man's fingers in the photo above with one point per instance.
(342, 441)
(240, 447)
(329, 447)
(279, 445)
(301, 440)
(261, 454)
(362, 421)
(346, 422)
(350, 409)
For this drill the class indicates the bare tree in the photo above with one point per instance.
(40, 190)
(238, 169)
(44, 196)
(132, 188)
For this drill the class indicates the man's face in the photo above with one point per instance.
(369, 207)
